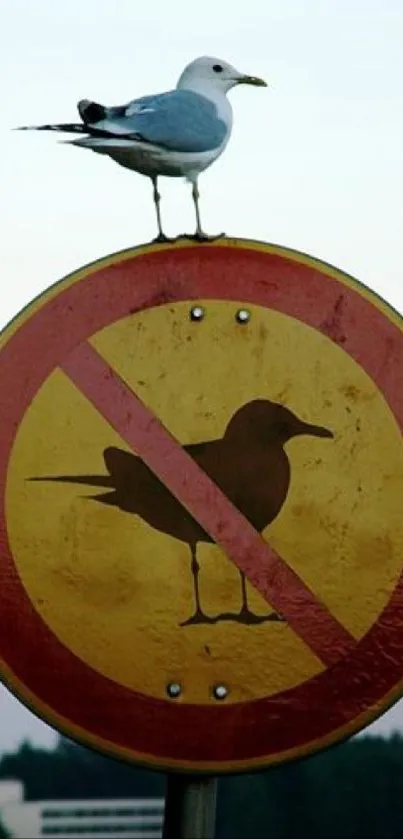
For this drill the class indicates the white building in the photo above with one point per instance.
(133, 818)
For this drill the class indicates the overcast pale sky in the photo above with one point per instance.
(315, 161)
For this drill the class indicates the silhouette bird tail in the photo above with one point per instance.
(105, 498)
(89, 480)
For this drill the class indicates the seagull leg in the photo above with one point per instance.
(157, 201)
(199, 235)
(196, 196)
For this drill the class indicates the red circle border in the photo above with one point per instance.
(140, 725)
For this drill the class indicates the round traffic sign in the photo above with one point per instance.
(202, 540)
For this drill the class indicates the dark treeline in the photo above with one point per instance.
(353, 790)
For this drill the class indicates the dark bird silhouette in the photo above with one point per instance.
(248, 464)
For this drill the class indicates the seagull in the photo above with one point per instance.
(175, 134)
(249, 465)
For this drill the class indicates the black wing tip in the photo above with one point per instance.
(91, 111)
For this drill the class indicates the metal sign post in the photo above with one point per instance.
(190, 807)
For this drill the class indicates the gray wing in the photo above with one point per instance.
(179, 120)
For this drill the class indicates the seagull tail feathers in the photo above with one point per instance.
(68, 127)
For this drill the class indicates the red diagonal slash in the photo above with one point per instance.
(267, 572)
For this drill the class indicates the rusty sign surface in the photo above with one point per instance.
(202, 540)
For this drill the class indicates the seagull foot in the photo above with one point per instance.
(162, 238)
(203, 237)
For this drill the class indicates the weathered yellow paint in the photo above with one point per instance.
(114, 591)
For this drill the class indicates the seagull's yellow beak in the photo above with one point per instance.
(253, 80)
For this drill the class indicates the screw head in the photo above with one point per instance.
(197, 313)
(174, 689)
(220, 692)
(243, 316)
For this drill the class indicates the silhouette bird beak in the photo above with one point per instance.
(314, 430)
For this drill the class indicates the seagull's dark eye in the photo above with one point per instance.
(217, 68)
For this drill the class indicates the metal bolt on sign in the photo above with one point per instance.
(243, 316)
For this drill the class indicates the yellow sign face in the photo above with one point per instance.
(133, 582)
(203, 499)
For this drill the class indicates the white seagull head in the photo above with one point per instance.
(207, 72)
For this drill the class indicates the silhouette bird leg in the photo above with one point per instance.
(195, 571)
(244, 607)
(245, 615)
(157, 201)
(199, 616)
